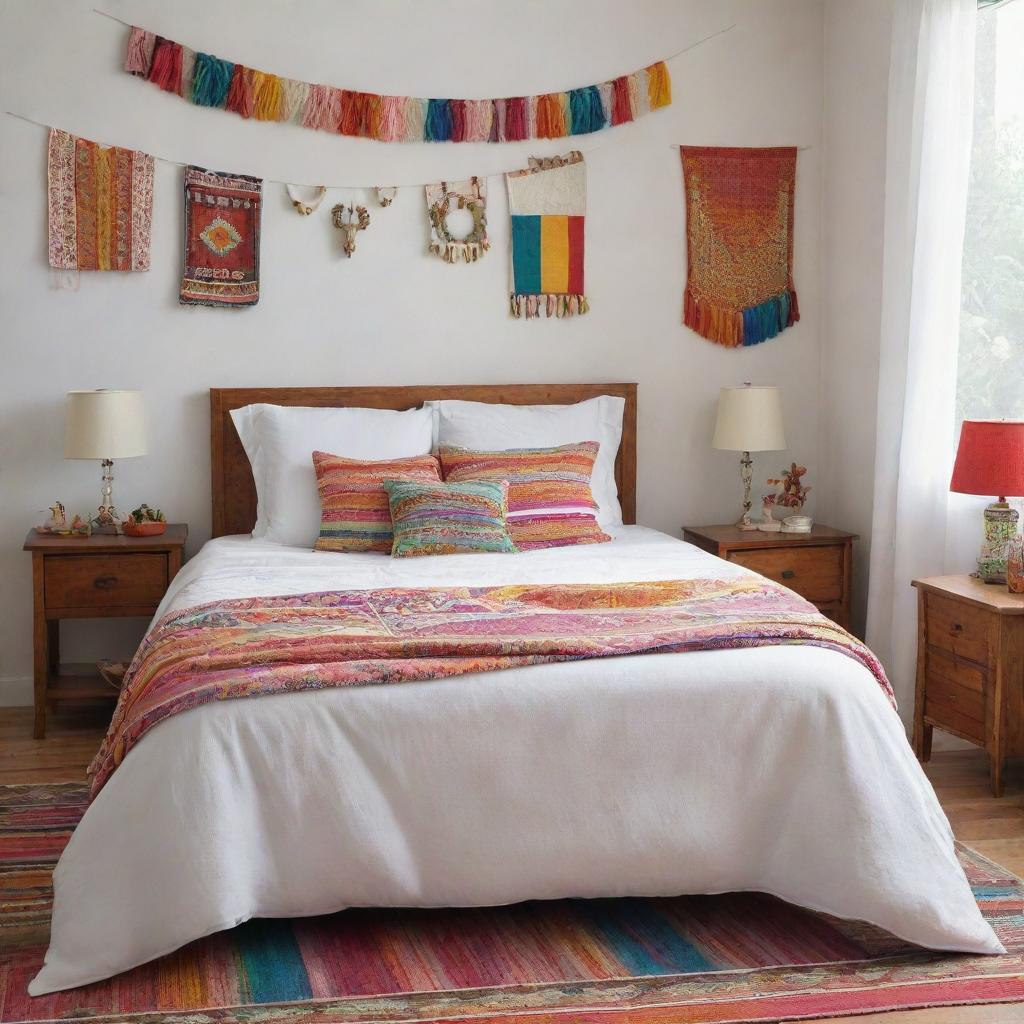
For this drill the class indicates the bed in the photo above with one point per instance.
(782, 769)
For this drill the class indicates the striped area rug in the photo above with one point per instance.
(730, 958)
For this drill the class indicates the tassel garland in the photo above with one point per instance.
(208, 81)
(530, 307)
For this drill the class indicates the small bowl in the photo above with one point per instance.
(146, 529)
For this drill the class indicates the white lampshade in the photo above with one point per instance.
(104, 425)
(749, 420)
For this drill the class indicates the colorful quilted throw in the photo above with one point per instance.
(265, 645)
(470, 195)
(739, 240)
(100, 205)
(548, 203)
(222, 239)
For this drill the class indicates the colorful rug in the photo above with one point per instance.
(222, 239)
(739, 243)
(737, 957)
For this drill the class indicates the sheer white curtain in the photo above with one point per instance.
(931, 100)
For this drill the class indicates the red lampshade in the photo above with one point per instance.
(990, 458)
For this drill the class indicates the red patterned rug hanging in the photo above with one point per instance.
(222, 239)
(739, 239)
(100, 205)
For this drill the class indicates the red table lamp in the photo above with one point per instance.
(990, 461)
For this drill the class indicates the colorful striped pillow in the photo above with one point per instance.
(550, 503)
(354, 511)
(448, 519)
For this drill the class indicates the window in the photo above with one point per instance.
(990, 368)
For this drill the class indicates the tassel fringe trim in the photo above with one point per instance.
(531, 306)
(740, 328)
(452, 252)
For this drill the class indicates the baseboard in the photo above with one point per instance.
(15, 692)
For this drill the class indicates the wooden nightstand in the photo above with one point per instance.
(970, 667)
(817, 565)
(91, 577)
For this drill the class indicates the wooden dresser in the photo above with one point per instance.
(91, 577)
(817, 565)
(970, 667)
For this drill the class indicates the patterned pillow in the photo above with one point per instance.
(550, 504)
(354, 511)
(448, 519)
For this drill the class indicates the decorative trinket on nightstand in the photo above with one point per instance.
(793, 493)
(351, 220)
(797, 524)
(145, 522)
(56, 524)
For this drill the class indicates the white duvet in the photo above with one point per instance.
(779, 769)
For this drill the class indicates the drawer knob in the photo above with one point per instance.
(104, 582)
(788, 574)
(956, 629)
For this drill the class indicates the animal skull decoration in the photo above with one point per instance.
(350, 220)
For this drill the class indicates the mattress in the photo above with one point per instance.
(781, 769)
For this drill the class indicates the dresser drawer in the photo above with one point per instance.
(813, 572)
(92, 583)
(958, 686)
(958, 628)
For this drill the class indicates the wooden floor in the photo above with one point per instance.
(993, 827)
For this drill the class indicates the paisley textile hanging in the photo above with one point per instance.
(739, 243)
(100, 201)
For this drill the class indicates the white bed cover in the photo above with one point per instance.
(780, 769)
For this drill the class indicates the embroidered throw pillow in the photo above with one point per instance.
(354, 510)
(448, 519)
(550, 503)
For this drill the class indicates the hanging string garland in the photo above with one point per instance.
(209, 81)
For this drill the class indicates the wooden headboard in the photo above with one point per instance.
(234, 493)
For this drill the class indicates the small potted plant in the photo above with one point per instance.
(145, 522)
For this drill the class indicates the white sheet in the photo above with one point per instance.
(780, 769)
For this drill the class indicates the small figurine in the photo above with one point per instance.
(58, 521)
(81, 527)
(350, 219)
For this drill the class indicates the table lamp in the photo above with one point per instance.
(749, 420)
(105, 425)
(990, 461)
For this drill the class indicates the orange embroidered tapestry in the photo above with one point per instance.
(739, 239)
(100, 202)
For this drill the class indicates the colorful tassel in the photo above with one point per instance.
(606, 90)
(659, 85)
(188, 70)
(267, 98)
(138, 54)
(550, 118)
(479, 116)
(515, 119)
(622, 110)
(586, 111)
(211, 80)
(639, 102)
(438, 125)
(373, 115)
(415, 118)
(323, 108)
(293, 99)
(240, 98)
(458, 114)
(165, 69)
(745, 327)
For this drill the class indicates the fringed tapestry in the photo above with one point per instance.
(468, 195)
(222, 239)
(100, 205)
(739, 238)
(209, 81)
(548, 204)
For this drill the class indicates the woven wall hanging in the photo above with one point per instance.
(100, 201)
(548, 204)
(468, 195)
(222, 239)
(209, 81)
(739, 239)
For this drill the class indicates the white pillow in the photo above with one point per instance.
(280, 441)
(491, 427)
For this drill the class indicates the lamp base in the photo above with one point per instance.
(1000, 529)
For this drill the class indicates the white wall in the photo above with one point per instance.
(392, 314)
(857, 37)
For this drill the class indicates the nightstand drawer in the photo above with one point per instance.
(104, 581)
(957, 685)
(813, 572)
(957, 627)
